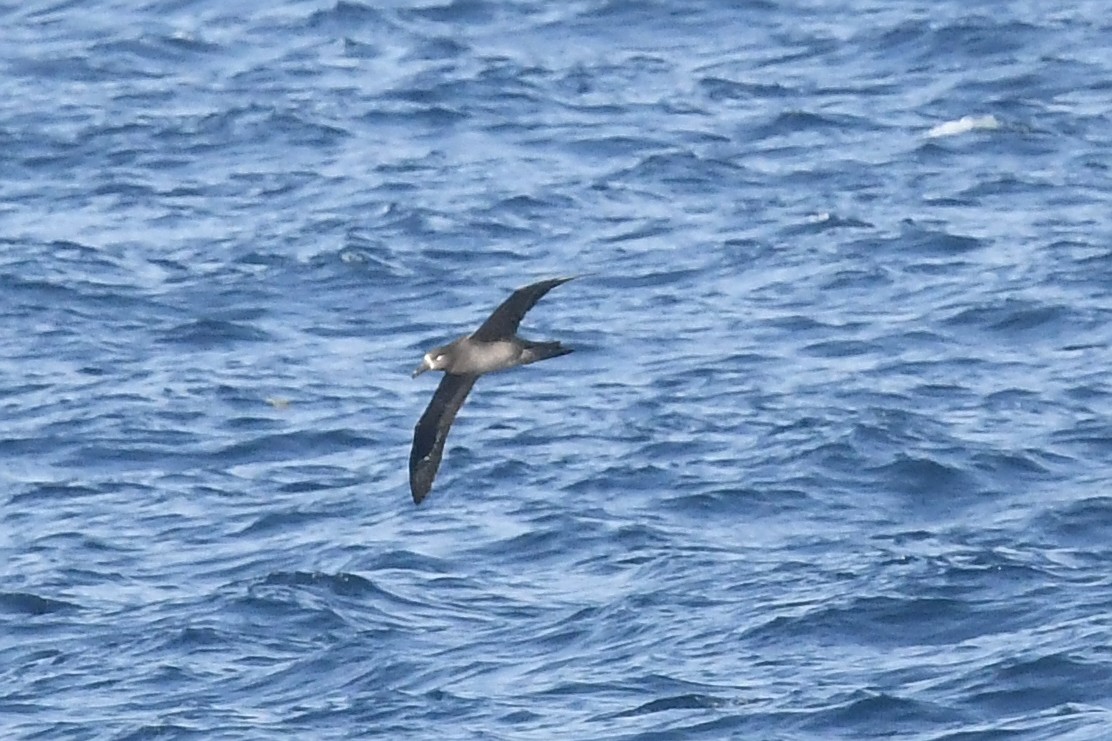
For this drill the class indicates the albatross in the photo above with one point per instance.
(494, 346)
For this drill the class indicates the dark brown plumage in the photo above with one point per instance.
(493, 346)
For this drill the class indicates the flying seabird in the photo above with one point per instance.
(492, 347)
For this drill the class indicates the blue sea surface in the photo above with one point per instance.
(832, 458)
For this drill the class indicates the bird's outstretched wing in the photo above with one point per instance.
(503, 323)
(432, 430)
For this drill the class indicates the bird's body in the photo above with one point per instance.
(470, 356)
(494, 346)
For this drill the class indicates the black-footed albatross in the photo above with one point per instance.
(492, 347)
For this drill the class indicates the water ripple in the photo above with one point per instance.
(828, 459)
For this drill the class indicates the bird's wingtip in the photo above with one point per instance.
(419, 493)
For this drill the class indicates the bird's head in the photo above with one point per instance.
(436, 359)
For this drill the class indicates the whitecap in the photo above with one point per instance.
(964, 125)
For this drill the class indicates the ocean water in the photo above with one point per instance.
(832, 459)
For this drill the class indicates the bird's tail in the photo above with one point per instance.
(535, 351)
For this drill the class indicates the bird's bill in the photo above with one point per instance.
(424, 366)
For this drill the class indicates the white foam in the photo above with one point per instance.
(964, 125)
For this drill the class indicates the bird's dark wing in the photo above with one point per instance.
(432, 430)
(503, 323)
